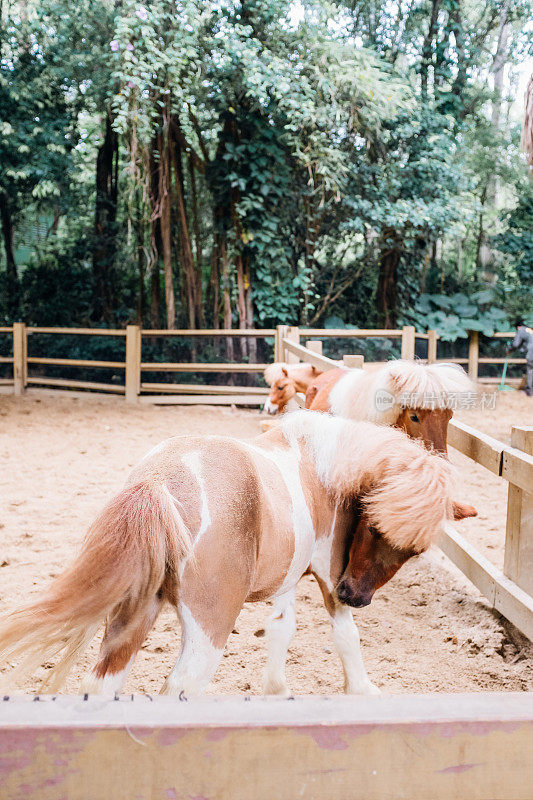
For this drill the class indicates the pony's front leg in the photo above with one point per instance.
(348, 645)
(281, 628)
(198, 659)
(347, 642)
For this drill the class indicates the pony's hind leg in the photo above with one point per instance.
(280, 630)
(118, 650)
(198, 659)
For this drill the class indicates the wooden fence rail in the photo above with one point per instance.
(287, 341)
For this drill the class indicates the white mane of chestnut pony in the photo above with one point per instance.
(433, 386)
(406, 491)
(279, 369)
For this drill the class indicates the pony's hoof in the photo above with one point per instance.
(277, 688)
(368, 689)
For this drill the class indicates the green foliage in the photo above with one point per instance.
(317, 147)
(453, 316)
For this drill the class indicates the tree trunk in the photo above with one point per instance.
(387, 291)
(105, 222)
(192, 288)
(13, 286)
(166, 238)
(156, 247)
(497, 70)
(139, 232)
(427, 50)
(227, 298)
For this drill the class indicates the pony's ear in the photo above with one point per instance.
(314, 370)
(462, 511)
(285, 371)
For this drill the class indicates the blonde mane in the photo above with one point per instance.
(381, 396)
(406, 491)
(299, 372)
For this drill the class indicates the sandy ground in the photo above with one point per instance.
(428, 630)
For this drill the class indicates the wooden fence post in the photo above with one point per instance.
(315, 346)
(20, 360)
(293, 333)
(473, 355)
(518, 558)
(408, 342)
(133, 363)
(354, 362)
(279, 349)
(432, 347)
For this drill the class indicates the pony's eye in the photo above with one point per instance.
(414, 418)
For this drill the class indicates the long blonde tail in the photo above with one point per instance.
(138, 536)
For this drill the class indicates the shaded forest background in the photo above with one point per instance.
(245, 163)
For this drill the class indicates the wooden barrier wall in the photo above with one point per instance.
(440, 747)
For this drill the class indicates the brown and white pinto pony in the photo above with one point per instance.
(206, 540)
(284, 381)
(409, 395)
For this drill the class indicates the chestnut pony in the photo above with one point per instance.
(408, 395)
(206, 539)
(285, 380)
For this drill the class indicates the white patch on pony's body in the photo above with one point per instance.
(321, 558)
(155, 450)
(281, 628)
(110, 683)
(193, 462)
(198, 659)
(348, 646)
(302, 523)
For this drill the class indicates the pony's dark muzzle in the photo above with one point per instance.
(348, 596)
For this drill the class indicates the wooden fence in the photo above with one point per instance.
(433, 747)
(509, 592)
(136, 388)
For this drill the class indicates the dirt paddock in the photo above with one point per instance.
(428, 630)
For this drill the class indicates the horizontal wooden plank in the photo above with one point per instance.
(195, 388)
(321, 362)
(351, 333)
(79, 331)
(503, 335)
(495, 381)
(502, 594)
(488, 360)
(76, 362)
(517, 468)
(6, 381)
(203, 399)
(249, 332)
(6, 329)
(6, 359)
(173, 366)
(480, 447)
(101, 387)
(439, 747)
